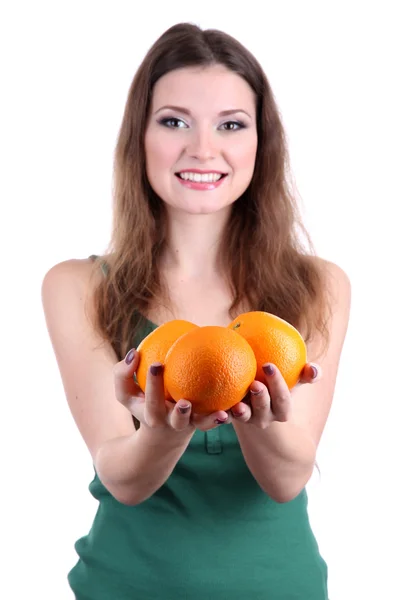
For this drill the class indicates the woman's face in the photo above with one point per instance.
(201, 139)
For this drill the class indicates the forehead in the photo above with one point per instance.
(204, 90)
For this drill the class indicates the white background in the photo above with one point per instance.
(65, 73)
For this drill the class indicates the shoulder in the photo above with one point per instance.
(76, 268)
(67, 284)
(77, 273)
(337, 301)
(337, 282)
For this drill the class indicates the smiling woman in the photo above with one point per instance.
(201, 145)
(204, 228)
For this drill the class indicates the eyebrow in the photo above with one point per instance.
(223, 113)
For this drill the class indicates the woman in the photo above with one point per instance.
(205, 227)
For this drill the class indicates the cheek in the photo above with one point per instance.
(160, 152)
(243, 156)
(152, 152)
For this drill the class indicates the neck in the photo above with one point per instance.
(193, 244)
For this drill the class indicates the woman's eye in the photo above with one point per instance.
(173, 123)
(232, 125)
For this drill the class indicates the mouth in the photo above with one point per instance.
(211, 177)
(201, 181)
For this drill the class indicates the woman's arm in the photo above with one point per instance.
(133, 467)
(131, 464)
(280, 457)
(280, 439)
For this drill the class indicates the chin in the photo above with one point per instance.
(205, 208)
(203, 203)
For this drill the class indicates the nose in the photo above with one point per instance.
(202, 144)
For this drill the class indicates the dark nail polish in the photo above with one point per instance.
(255, 393)
(314, 372)
(156, 369)
(220, 421)
(130, 356)
(184, 409)
(269, 370)
(238, 414)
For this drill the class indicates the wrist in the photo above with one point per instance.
(286, 440)
(167, 438)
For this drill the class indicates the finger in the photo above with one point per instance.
(179, 417)
(260, 404)
(124, 383)
(281, 399)
(211, 421)
(136, 406)
(241, 412)
(311, 373)
(155, 408)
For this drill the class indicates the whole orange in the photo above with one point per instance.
(273, 340)
(210, 366)
(154, 347)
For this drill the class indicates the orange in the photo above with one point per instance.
(154, 347)
(273, 340)
(210, 366)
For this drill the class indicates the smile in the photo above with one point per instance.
(200, 181)
(200, 177)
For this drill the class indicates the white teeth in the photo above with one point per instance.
(200, 178)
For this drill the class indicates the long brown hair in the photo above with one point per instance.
(268, 265)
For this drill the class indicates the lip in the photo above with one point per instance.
(201, 171)
(196, 185)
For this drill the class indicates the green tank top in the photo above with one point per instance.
(209, 532)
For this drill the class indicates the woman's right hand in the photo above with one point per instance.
(152, 409)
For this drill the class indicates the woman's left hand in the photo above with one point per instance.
(271, 401)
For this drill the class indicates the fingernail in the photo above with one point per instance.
(238, 414)
(156, 369)
(255, 393)
(184, 409)
(268, 370)
(220, 421)
(314, 371)
(130, 356)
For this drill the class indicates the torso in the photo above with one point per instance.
(246, 545)
(202, 302)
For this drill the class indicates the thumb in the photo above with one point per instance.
(311, 373)
(125, 385)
